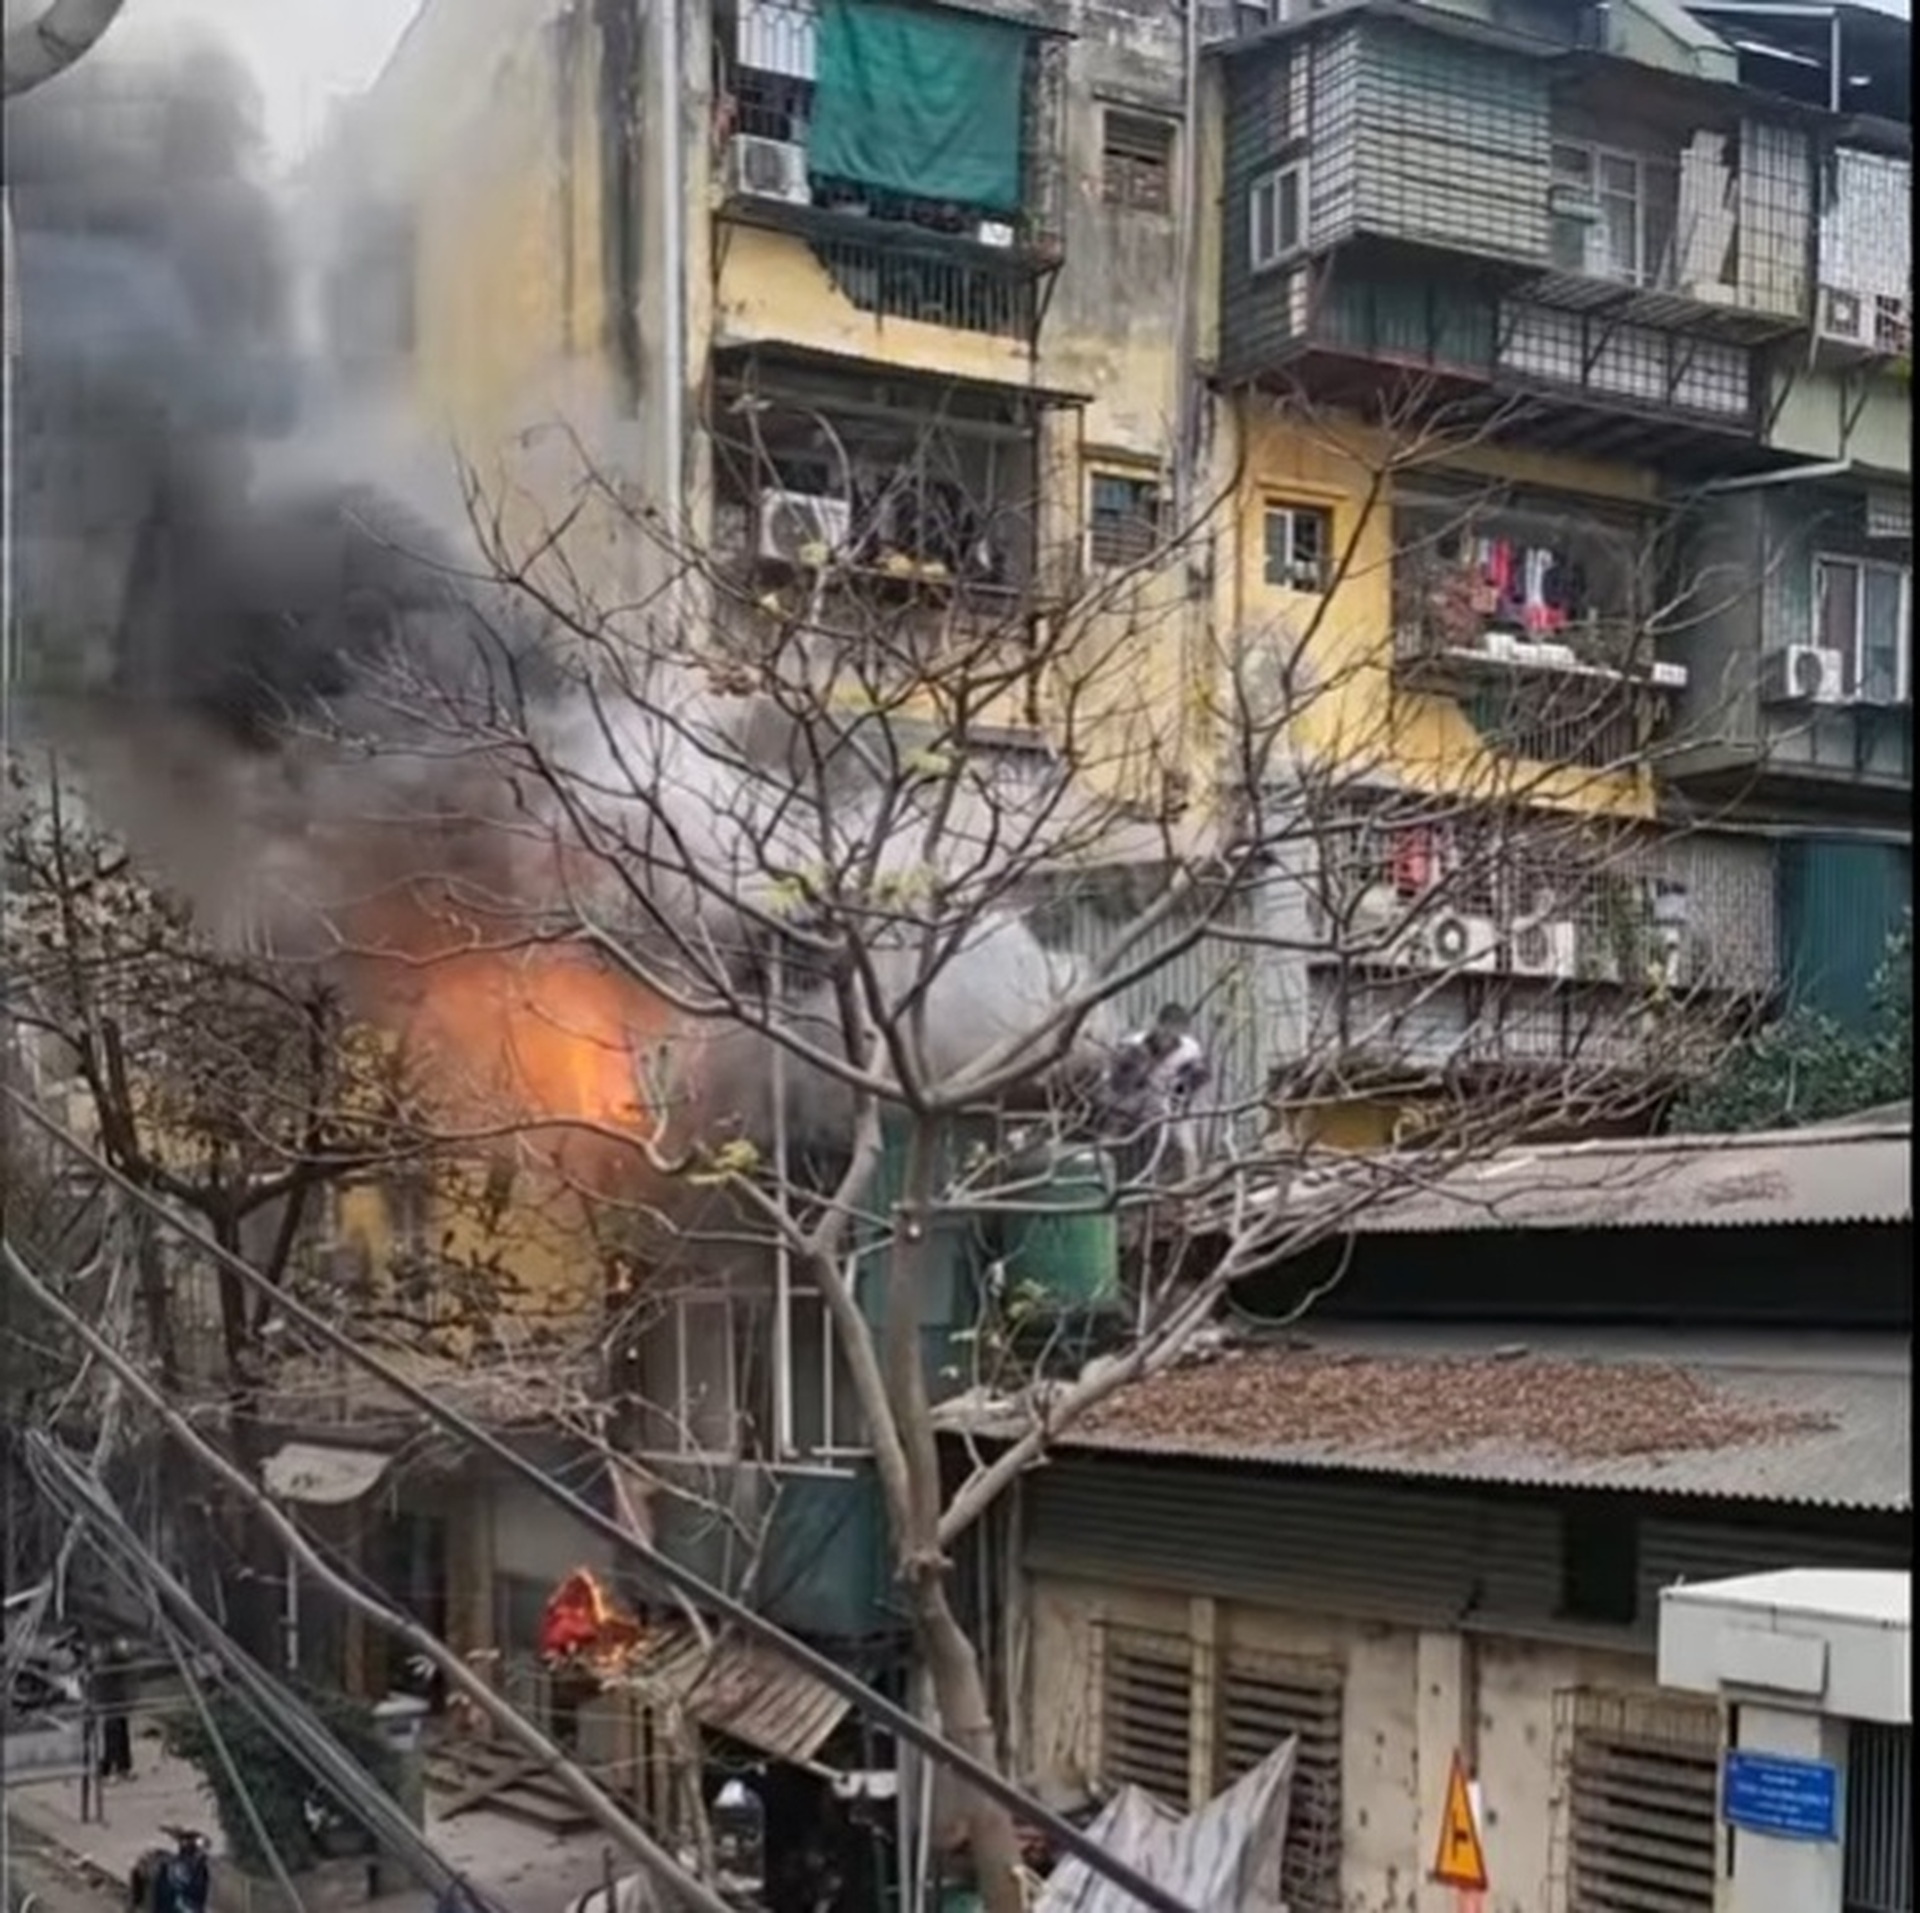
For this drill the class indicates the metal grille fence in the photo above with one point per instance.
(1879, 1851)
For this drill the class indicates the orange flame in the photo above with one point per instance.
(583, 1623)
(540, 1034)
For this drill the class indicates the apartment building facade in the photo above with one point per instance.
(1443, 351)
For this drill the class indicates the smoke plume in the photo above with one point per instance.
(217, 643)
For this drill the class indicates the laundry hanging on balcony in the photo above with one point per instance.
(922, 103)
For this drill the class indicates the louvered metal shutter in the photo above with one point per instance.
(1642, 1797)
(1879, 1863)
(1265, 1699)
(1146, 1712)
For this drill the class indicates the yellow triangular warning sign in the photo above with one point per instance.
(1461, 1861)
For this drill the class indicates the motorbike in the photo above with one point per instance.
(176, 1882)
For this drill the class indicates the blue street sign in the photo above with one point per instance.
(1773, 1793)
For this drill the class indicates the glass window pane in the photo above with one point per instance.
(1620, 176)
(1839, 586)
(1622, 217)
(1279, 546)
(1289, 221)
(1309, 539)
(1881, 637)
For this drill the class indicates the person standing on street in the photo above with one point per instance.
(113, 1696)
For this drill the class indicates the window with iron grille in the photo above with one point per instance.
(1136, 162)
(1879, 1850)
(1263, 1700)
(1123, 519)
(1642, 1793)
(1146, 1713)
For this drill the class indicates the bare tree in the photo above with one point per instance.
(240, 1090)
(783, 841)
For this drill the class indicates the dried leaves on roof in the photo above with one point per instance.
(1300, 1398)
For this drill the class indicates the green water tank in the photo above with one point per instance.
(1065, 1239)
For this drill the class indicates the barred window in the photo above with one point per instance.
(1146, 1713)
(1879, 1852)
(1642, 1796)
(1123, 519)
(1136, 162)
(1264, 1699)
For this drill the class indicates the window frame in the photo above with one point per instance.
(1597, 155)
(1149, 492)
(1293, 510)
(1128, 160)
(1855, 655)
(1270, 181)
(665, 1339)
(833, 1396)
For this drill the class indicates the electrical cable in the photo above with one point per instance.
(190, 1679)
(282, 1712)
(683, 1580)
(599, 1805)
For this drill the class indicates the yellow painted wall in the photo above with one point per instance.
(1347, 710)
(541, 1238)
(773, 287)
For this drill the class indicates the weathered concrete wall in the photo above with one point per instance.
(1412, 1696)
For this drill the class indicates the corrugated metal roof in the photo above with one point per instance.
(1785, 1419)
(742, 1690)
(1793, 1177)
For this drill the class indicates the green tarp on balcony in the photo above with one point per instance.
(919, 101)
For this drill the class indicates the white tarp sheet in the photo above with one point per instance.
(1223, 1859)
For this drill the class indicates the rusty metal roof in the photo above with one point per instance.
(743, 1690)
(1793, 1177)
(1768, 1418)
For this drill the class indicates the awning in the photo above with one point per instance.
(322, 1477)
(742, 1690)
(923, 102)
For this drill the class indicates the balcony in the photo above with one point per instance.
(1582, 243)
(1484, 943)
(1533, 617)
(1672, 203)
(1801, 689)
(917, 152)
(895, 513)
(1864, 308)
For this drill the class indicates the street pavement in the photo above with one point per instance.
(524, 1868)
(40, 1880)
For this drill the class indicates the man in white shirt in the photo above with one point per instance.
(1154, 1077)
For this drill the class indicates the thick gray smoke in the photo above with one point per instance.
(203, 639)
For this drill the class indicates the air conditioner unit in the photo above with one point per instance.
(1462, 942)
(1543, 946)
(1805, 674)
(1843, 315)
(799, 528)
(768, 169)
